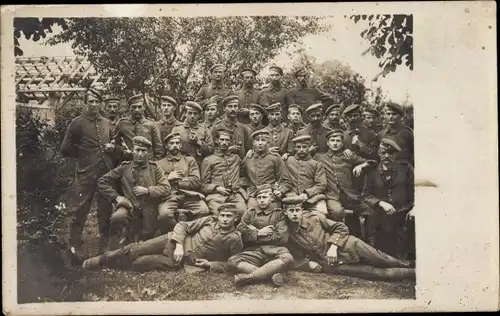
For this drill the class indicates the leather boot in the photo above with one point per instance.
(245, 267)
(373, 273)
(269, 269)
(243, 279)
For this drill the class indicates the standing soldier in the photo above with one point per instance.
(183, 174)
(332, 114)
(357, 138)
(303, 95)
(275, 93)
(211, 111)
(138, 125)
(258, 118)
(390, 190)
(220, 174)
(112, 109)
(248, 94)
(87, 140)
(216, 85)
(196, 140)
(370, 118)
(398, 132)
(294, 118)
(168, 107)
(143, 184)
(280, 140)
(315, 129)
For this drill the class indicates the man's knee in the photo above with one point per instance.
(287, 258)
(165, 210)
(320, 207)
(335, 210)
(234, 260)
(120, 216)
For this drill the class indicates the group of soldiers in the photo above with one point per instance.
(253, 182)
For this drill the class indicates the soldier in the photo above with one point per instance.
(390, 190)
(357, 138)
(144, 185)
(138, 125)
(262, 167)
(340, 191)
(220, 174)
(315, 129)
(206, 243)
(112, 109)
(397, 131)
(275, 93)
(248, 94)
(332, 114)
(258, 118)
(85, 140)
(168, 107)
(294, 118)
(280, 141)
(216, 85)
(308, 176)
(303, 95)
(196, 140)
(319, 244)
(211, 111)
(370, 118)
(183, 174)
(265, 234)
(229, 122)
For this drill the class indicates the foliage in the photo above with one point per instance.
(36, 27)
(390, 38)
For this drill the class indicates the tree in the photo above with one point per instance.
(172, 55)
(391, 40)
(36, 27)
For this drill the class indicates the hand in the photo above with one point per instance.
(331, 255)
(139, 191)
(251, 227)
(108, 147)
(348, 152)
(388, 208)
(203, 263)
(265, 231)
(303, 196)
(313, 149)
(178, 253)
(285, 156)
(121, 199)
(193, 137)
(235, 149)
(410, 215)
(223, 190)
(314, 266)
(355, 140)
(249, 154)
(274, 150)
(358, 169)
(278, 194)
(174, 175)
(127, 152)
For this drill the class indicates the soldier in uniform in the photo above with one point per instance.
(112, 109)
(332, 114)
(319, 244)
(85, 140)
(168, 107)
(216, 86)
(248, 93)
(262, 167)
(390, 190)
(294, 118)
(303, 95)
(308, 176)
(258, 118)
(265, 234)
(398, 132)
(138, 125)
(196, 140)
(144, 185)
(280, 140)
(211, 111)
(275, 93)
(206, 243)
(183, 174)
(357, 138)
(220, 174)
(370, 118)
(315, 129)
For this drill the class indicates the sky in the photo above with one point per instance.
(342, 43)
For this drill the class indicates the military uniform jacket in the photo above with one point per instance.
(308, 176)
(209, 90)
(240, 134)
(367, 146)
(192, 149)
(165, 126)
(252, 128)
(223, 170)
(281, 137)
(278, 94)
(328, 124)
(317, 136)
(209, 125)
(403, 136)
(305, 97)
(295, 127)
(260, 219)
(248, 96)
(190, 183)
(128, 128)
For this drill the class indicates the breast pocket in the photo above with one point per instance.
(143, 130)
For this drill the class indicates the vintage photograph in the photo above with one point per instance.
(215, 158)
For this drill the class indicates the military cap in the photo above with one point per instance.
(331, 108)
(193, 105)
(263, 188)
(248, 70)
(222, 130)
(171, 136)
(277, 69)
(295, 106)
(273, 107)
(302, 138)
(168, 99)
(209, 103)
(371, 111)
(395, 107)
(138, 98)
(217, 66)
(257, 107)
(141, 141)
(315, 107)
(292, 201)
(334, 132)
(260, 132)
(300, 71)
(110, 99)
(94, 93)
(388, 143)
(326, 99)
(228, 207)
(230, 99)
(351, 108)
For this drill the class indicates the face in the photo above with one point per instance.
(260, 144)
(217, 74)
(255, 117)
(302, 149)
(336, 143)
(226, 219)
(174, 145)
(112, 109)
(294, 213)
(167, 108)
(248, 79)
(93, 104)
(224, 142)
(192, 116)
(137, 110)
(387, 156)
(391, 116)
(274, 76)
(140, 154)
(334, 116)
(294, 115)
(275, 117)
(353, 118)
(211, 112)
(264, 199)
(315, 117)
(231, 109)
(369, 119)
(302, 79)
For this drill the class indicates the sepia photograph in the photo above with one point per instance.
(170, 157)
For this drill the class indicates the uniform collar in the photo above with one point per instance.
(92, 118)
(308, 157)
(226, 121)
(131, 118)
(137, 166)
(278, 128)
(332, 154)
(215, 85)
(393, 129)
(267, 211)
(171, 157)
(264, 154)
(169, 120)
(221, 154)
(222, 232)
(186, 125)
(248, 89)
(276, 88)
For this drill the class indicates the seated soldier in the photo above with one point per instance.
(280, 139)
(265, 233)
(205, 242)
(307, 175)
(184, 177)
(319, 244)
(340, 192)
(262, 167)
(220, 174)
(143, 184)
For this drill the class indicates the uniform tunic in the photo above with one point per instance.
(165, 126)
(128, 128)
(278, 95)
(304, 97)
(192, 149)
(240, 134)
(308, 176)
(403, 136)
(317, 135)
(367, 139)
(281, 137)
(248, 96)
(209, 90)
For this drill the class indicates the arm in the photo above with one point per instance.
(247, 234)
(70, 141)
(338, 231)
(157, 142)
(283, 176)
(262, 99)
(207, 146)
(410, 190)
(280, 233)
(162, 187)
(192, 181)
(368, 149)
(184, 229)
(105, 183)
(235, 248)
(369, 194)
(290, 149)
(200, 95)
(206, 177)
(319, 181)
